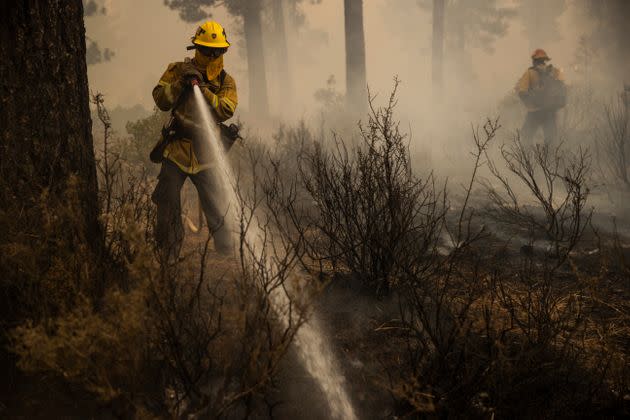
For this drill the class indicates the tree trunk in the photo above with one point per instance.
(252, 24)
(283, 74)
(622, 12)
(47, 166)
(438, 47)
(531, 15)
(356, 81)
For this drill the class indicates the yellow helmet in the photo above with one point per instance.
(211, 34)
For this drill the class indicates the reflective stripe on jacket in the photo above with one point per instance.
(221, 98)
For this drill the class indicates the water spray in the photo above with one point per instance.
(313, 349)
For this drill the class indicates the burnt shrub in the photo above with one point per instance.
(485, 335)
(201, 336)
(363, 211)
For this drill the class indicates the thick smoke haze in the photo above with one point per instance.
(382, 209)
(146, 36)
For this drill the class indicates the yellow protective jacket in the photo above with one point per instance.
(531, 82)
(221, 98)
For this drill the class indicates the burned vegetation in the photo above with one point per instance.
(495, 298)
(363, 281)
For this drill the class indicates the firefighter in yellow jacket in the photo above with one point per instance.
(543, 91)
(181, 150)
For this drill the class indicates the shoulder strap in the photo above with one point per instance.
(222, 76)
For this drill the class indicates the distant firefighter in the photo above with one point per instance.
(181, 151)
(543, 91)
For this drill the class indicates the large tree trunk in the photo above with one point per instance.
(438, 47)
(356, 81)
(47, 166)
(279, 41)
(252, 24)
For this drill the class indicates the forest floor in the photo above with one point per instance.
(359, 327)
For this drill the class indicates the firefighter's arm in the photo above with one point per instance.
(224, 102)
(525, 91)
(168, 89)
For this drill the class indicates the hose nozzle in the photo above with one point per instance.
(194, 82)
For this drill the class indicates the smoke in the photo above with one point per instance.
(147, 36)
(312, 347)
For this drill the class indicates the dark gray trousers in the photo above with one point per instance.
(169, 230)
(536, 119)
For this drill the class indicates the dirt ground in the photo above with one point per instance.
(358, 326)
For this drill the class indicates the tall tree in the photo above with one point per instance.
(280, 45)
(356, 79)
(47, 163)
(477, 22)
(472, 23)
(438, 46)
(250, 11)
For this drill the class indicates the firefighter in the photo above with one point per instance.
(543, 92)
(181, 151)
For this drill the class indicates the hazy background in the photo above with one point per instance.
(145, 36)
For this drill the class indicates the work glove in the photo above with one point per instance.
(190, 73)
(231, 132)
(229, 135)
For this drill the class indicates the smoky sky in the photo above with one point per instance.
(146, 36)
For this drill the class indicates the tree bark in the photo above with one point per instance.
(356, 80)
(438, 47)
(47, 164)
(283, 73)
(252, 25)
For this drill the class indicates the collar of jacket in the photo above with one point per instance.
(212, 68)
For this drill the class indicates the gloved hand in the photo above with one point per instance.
(229, 135)
(233, 132)
(190, 72)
